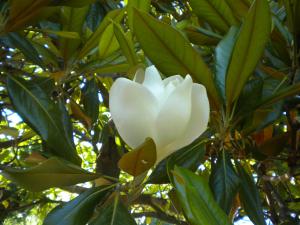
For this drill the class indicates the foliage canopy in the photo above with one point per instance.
(60, 153)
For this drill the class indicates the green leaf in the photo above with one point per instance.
(280, 95)
(196, 36)
(249, 197)
(224, 182)
(73, 21)
(24, 45)
(248, 99)
(238, 7)
(79, 210)
(176, 55)
(72, 3)
(108, 42)
(93, 41)
(126, 45)
(248, 48)
(140, 159)
(48, 118)
(9, 131)
(197, 200)
(188, 157)
(216, 12)
(113, 214)
(23, 13)
(90, 99)
(64, 34)
(141, 5)
(223, 53)
(53, 172)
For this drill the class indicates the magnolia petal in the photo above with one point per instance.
(172, 78)
(133, 110)
(153, 81)
(197, 123)
(174, 115)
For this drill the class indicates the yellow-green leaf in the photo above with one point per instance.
(216, 12)
(108, 42)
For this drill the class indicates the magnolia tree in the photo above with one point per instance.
(159, 112)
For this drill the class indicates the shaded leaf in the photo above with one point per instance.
(197, 199)
(90, 99)
(24, 45)
(249, 197)
(73, 20)
(223, 53)
(24, 12)
(113, 214)
(216, 12)
(53, 172)
(140, 159)
(48, 118)
(280, 95)
(188, 157)
(72, 3)
(248, 48)
(224, 181)
(79, 210)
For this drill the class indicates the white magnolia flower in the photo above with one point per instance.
(173, 111)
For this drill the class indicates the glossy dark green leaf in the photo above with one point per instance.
(224, 181)
(24, 45)
(223, 53)
(188, 157)
(216, 12)
(53, 172)
(250, 95)
(249, 196)
(48, 118)
(248, 48)
(113, 214)
(79, 210)
(176, 55)
(197, 199)
(90, 99)
(126, 45)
